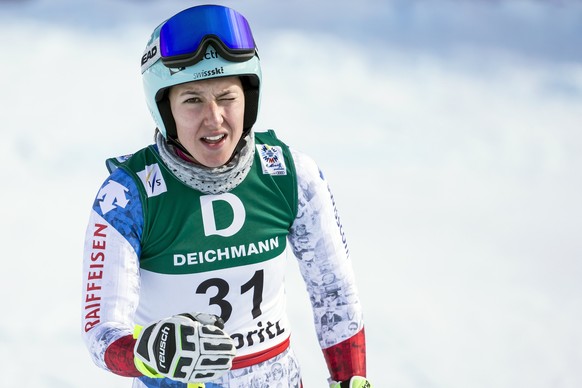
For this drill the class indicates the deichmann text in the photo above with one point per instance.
(227, 253)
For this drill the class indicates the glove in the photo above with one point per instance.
(354, 382)
(184, 347)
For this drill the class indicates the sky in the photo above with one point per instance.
(449, 133)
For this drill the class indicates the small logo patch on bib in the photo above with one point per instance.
(272, 159)
(153, 180)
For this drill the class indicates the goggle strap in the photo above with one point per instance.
(150, 55)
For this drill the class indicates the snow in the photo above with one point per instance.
(449, 133)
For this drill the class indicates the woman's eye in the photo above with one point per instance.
(228, 98)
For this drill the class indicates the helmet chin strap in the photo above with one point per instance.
(176, 143)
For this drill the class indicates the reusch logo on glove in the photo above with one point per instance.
(165, 343)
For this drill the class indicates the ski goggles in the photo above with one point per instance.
(185, 37)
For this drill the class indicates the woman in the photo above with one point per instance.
(185, 248)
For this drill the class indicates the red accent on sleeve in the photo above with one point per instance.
(119, 357)
(348, 358)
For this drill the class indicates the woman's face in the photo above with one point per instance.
(209, 117)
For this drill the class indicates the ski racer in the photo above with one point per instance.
(185, 249)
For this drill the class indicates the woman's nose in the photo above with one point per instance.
(213, 114)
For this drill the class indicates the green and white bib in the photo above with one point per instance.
(222, 254)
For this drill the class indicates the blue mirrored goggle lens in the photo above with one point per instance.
(185, 33)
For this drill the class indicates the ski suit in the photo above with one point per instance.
(155, 247)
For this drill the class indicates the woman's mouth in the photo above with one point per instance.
(213, 139)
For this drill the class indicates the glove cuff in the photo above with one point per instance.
(354, 382)
(146, 370)
(141, 367)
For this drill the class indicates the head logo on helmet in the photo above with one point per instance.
(150, 55)
(201, 42)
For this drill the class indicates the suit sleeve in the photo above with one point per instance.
(111, 274)
(319, 243)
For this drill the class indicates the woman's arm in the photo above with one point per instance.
(319, 243)
(111, 274)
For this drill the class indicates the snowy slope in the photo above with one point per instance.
(450, 133)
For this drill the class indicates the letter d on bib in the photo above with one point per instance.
(209, 220)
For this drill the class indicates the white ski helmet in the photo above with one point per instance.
(202, 42)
